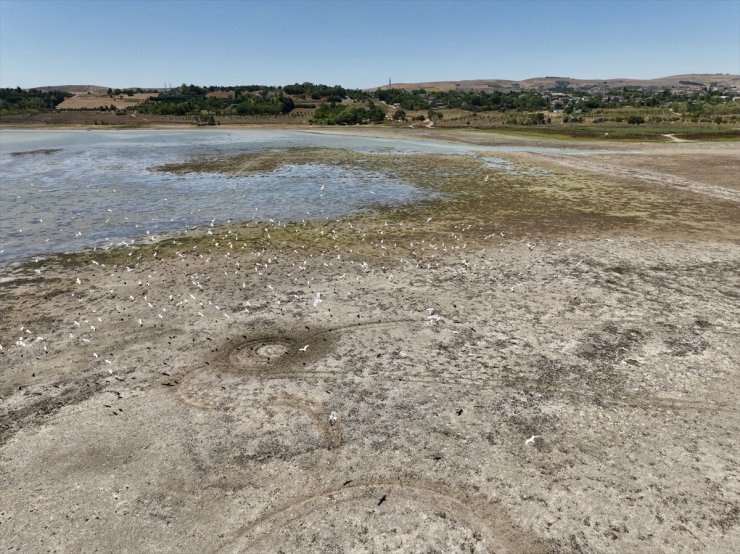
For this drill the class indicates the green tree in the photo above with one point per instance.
(375, 114)
(400, 115)
(635, 120)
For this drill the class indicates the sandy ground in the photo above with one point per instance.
(481, 381)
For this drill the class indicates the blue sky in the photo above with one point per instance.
(149, 43)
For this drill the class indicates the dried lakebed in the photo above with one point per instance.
(548, 364)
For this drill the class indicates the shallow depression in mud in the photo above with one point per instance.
(275, 350)
(261, 351)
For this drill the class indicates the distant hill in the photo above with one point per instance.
(689, 82)
(694, 81)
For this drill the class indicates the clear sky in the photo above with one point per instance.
(359, 44)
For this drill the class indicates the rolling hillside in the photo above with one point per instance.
(694, 81)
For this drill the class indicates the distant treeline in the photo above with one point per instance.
(475, 101)
(528, 101)
(263, 100)
(195, 100)
(18, 101)
(352, 114)
(130, 91)
(338, 105)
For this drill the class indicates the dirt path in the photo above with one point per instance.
(674, 138)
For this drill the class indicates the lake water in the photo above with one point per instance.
(63, 191)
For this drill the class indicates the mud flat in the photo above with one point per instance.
(543, 360)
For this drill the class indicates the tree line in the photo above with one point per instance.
(18, 101)
(336, 105)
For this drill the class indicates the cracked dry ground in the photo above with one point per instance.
(491, 394)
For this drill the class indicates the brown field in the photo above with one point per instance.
(545, 360)
(94, 101)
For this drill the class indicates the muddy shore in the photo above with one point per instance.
(539, 362)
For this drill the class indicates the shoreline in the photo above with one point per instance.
(539, 363)
(600, 164)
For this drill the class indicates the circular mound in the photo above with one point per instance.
(261, 352)
(273, 350)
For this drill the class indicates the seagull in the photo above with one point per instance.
(432, 318)
(332, 418)
(304, 349)
(531, 439)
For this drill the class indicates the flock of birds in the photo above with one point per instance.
(147, 308)
(149, 292)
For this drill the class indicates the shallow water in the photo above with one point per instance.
(69, 190)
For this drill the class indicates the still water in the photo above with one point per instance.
(69, 190)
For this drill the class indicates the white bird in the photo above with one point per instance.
(432, 318)
(332, 418)
(317, 300)
(531, 439)
(304, 349)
